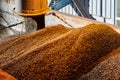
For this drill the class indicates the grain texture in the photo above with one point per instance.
(57, 52)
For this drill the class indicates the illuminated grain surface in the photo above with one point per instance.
(57, 52)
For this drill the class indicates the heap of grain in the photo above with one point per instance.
(107, 69)
(57, 52)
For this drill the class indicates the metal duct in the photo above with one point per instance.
(31, 7)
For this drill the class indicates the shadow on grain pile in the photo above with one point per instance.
(107, 69)
(57, 52)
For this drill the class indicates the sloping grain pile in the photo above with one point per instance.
(109, 69)
(57, 52)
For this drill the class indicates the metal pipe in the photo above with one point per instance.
(31, 7)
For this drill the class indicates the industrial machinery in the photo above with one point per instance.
(21, 16)
(34, 9)
(82, 9)
(51, 47)
(17, 17)
(31, 7)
